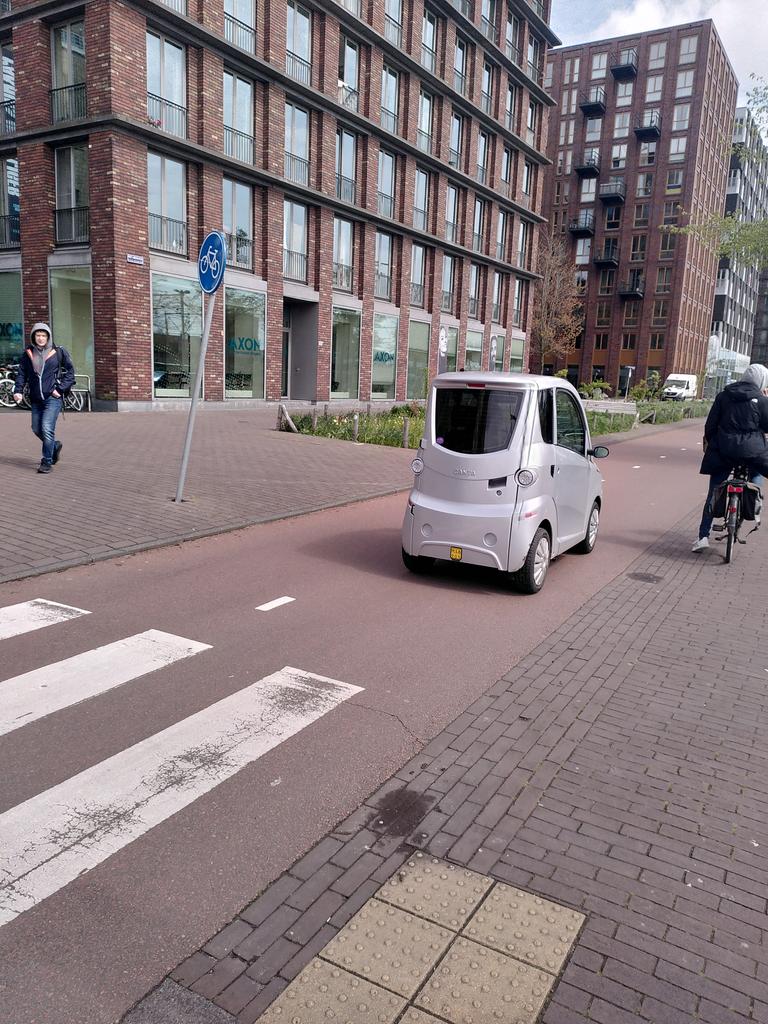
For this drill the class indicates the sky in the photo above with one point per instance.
(741, 24)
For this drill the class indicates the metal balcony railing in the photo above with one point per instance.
(535, 71)
(68, 103)
(464, 6)
(486, 102)
(389, 120)
(170, 117)
(480, 174)
(238, 144)
(5, 5)
(297, 169)
(496, 312)
(240, 250)
(419, 218)
(537, 6)
(501, 250)
(504, 188)
(608, 257)
(180, 6)
(477, 241)
(473, 306)
(348, 97)
(589, 165)
(612, 192)
(648, 125)
(454, 157)
(522, 258)
(516, 316)
(342, 277)
(239, 33)
(489, 30)
(382, 285)
(514, 53)
(623, 64)
(459, 81)
(345, 188)
(298, 68)
(72, 225)
(393, 31)
(584, 224)
(10, 233)
(451, 230)
(386, 205)
(428, 58)
(509, 119)
(8, 117)
(167, 234)
(593, 101)
(424, 141)
(417, 294)
(446, 301)
(294, 265)
(353, 6)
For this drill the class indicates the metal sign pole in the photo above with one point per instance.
(195, 395)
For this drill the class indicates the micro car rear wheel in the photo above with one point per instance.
(417, 563)
(530, 579)
(590, 537)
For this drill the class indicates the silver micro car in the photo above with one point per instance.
(504, 477)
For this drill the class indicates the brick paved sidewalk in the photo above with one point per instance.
(619, 770)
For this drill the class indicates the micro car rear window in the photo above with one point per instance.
(475, 421)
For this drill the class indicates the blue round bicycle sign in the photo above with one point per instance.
(212, 261)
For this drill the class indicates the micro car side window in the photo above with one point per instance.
(474, 421)
(570, 425)
(545, 416)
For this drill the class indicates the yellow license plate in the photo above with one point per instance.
(455, 554)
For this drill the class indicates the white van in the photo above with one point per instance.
(680, 386)
(505, 476)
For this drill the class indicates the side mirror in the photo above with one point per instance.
(600, 452)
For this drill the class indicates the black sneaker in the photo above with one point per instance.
(44, 467)
(56, 452)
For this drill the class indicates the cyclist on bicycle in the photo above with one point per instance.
(48, 372)
(734, 434)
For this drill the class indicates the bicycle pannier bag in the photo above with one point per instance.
(751, 501)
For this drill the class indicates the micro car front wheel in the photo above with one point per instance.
(590, 537)
(530, 579)
(417, 563)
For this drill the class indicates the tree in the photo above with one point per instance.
(557, 317)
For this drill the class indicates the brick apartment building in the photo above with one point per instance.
(640, 137)
(376, 166)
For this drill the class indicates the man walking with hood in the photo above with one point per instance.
(49, 372)
(735, 433)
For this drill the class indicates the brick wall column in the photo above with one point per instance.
(37, 205)
(32, 66)
(365, 247)
(405, 308)
(323, 220)
(209, 129)
(210, 214)
(270, 242)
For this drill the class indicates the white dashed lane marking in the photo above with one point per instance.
(277, 603)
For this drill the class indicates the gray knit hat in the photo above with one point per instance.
(757, 374)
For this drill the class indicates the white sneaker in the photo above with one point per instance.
(700, 544)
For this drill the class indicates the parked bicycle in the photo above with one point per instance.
(737, 501)
(73, 401)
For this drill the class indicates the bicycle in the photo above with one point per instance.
(210, 262)
(737, 500)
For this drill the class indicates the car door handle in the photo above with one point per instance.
(551, 470)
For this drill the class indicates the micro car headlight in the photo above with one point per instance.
(525, 477)
(417, 466)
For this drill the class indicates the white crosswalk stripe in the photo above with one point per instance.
(34, 695)
(30, 615)
(51, 839)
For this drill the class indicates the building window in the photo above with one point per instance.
(421, 200)
(671, 211)
(603, 314)
(429, 41)
(599, 65)
(346, 162)
(657, 56)
(383, 268)
(384, 356)
(177, 329)
(606, 282)
(389, 99)
(349, 65)
(667, 247)
(478, 225)
(237, 220)
(294, 241)
(639, 245)
(612, 218)
(681, 117)
(619, 156)
(510, 113)
(588, 190)
(72, 211)
(647, 155)
(12, 335)
(298, 43)
(583, 251)
(446, 297)
(452, 348)
(664, 280)
(532, 122)
(474, 291)
(473, 358)
(238, 118)
(631, 313)
(601, 340)
(594, 129)
(506, 166)
(628, 342)
(644, 185)
(684, 84)
(496, 297)
(677, 149)
(71, 315)
(342, 254)
(567, 129)
(501, 236)
(624, 93)
(239, 22)
(166, 85)
(68, 99)
(580, 279)
(418, 359)
(296, 144)
(660, 312)
(688, 45)
(460, 65)
(482, 156)
(456, 138)
(393, 22)
(345, 354)
(424, 129)
(527, 182)
(418, 274)
(244, 343)
(657, 342)
(167, 194)
(386, 183)
(653, 87)
(451, 213)
(621, 125)
(486, 88)
(571, 70)
(642, 212)
(512, 37)
(674, 182)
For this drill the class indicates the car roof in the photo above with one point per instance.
(520, 380)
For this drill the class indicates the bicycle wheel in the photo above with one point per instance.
(6, 393)
(74, 401)
(732, 527)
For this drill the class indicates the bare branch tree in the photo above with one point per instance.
(557, 317)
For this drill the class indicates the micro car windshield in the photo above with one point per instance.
(474, 421)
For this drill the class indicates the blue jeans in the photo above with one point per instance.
(714, 481)
(44, 416)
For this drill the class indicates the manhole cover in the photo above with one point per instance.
(644, 577)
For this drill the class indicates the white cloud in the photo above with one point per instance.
(741, 24)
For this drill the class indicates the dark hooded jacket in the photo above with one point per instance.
(735, 430)
(58, 373)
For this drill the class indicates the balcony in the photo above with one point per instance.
(501, 250)
(496, 312)
(8, 117)
(386, 205)
(592, 102)
(294, 265)
(342, 277)
(167, 235)
(451, 231)
(623, 64)
(10, 234)
(486, 102)
(489, 30)
(612, 193)
(428, 58)
(589, 165)
(514, 53)
(382, 285)
(521, 257)
(238, 144)
(535, 71)
(345, 188)
(348, 97)
(419, 218)
(73, 226)
(170, 117)
(477, 241)
(393, 31)
(480, 174)
(459, 81)
(180, 6)
(424, 141)
(649, 125)
(5, 5)
(583, 226)
(353, 6)
(389, 121)
(464, 7)
(297, 169)
(68, 103)
(240, 250)
(298, 68)
(634, 288)
(240, 34)
(454, 157)
(473, 306)
(538, 7)
(417, 294)
(516, 316)
(446, 302)
(607, 257)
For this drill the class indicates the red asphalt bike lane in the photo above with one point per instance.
(422, 648)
